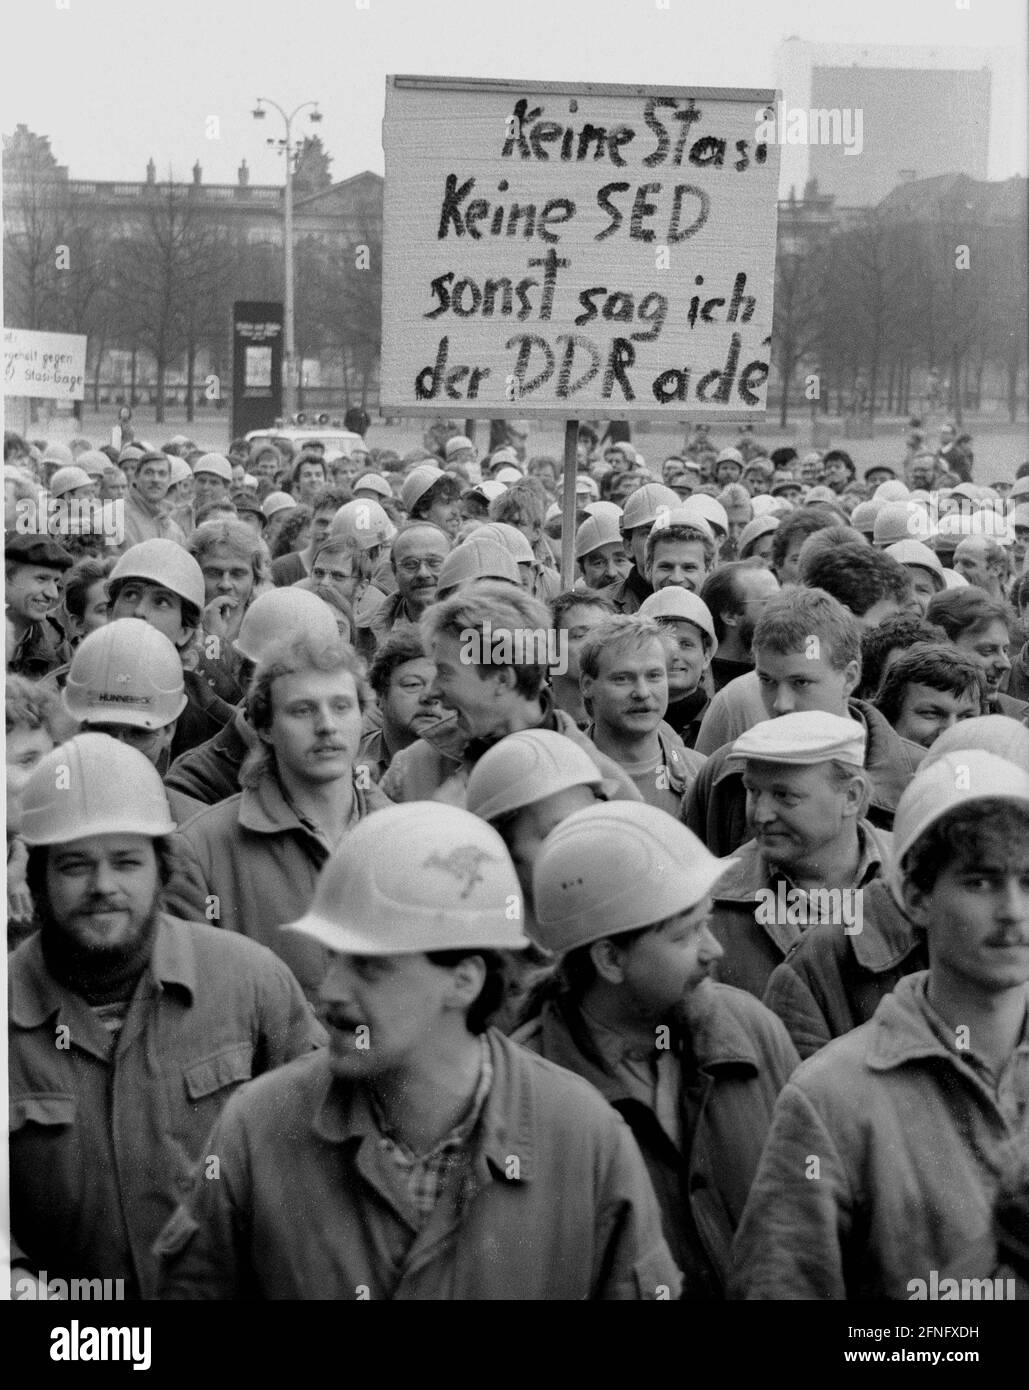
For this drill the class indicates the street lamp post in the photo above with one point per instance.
(259, 114)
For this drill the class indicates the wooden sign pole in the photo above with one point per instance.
(568, 505)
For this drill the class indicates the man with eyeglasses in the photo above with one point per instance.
(417, 556)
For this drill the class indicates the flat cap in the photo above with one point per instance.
(803, 739)
(37, 550)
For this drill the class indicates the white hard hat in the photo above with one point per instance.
(180, 470)
(285, 612)
(915, 553)
(363, 521)
(754, 530)
(614, 867)
(93, 462)
(59, 454)
(891, 491)
(478, 557)
(597, 531)
(524, 768)
(214, 463)
(943, 783)
(423, 876)
(489, 490)
(278, 502)
(682, 516)
(373, 482)
(93, 785)
(609, 509)
(991, 733)
(701, 507)
(163, 562)
(67, 479)
(900, 521)
(508, 475)
(126, 673)
(953, 580)
(675, 604)
(643, 505)
(514, 541)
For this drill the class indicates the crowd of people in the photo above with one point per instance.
(391, 916)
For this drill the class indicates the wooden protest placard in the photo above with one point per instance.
(570, 249)
(44, 364)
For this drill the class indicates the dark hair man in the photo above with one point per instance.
(736, 595)
(980, 627)
(870, 583)
(930, 688)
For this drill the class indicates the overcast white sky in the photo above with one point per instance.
(113, 82)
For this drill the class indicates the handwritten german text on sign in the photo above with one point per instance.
(556, 249)
(44, 364)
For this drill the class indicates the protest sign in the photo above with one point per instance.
(564, 249)
(44, 364)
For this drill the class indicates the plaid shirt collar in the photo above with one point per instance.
(422, 1177)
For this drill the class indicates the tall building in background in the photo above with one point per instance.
(923, 112)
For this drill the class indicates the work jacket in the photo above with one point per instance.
(205, 713)
(741, 1058)
(716, 806)
(558, 1205)
(250, 865)
(629, 594)
(830, 982)
(882, 1163)
(747, 922)
(437, 765)
(146, 522)
(105, 1131)
(210, 772)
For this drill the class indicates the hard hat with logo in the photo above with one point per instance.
(615, 867)
(683, 515)
(164, 562)
(126, 673)
(93, 785)
(363, 521)
(943, 783)
(524, 768)
(287, 612)
(423, 876)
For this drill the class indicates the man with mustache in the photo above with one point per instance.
(887, 1147)
(623, 900)
(253, 859)
(416, 558)
(129, 1029)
